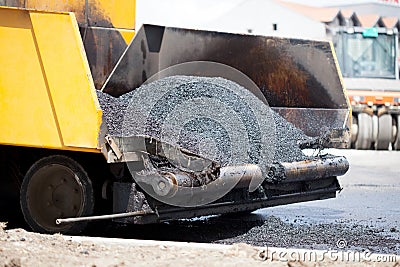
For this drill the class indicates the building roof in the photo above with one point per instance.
(370, 20)
(373, 7)
(347, 13)
(390, 22)
(329, 14)
(322, 14)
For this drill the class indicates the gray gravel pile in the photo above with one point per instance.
(288, 138)
(213, 117)
(113, 112)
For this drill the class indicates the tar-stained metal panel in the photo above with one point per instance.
(76, 6)
(316, 122)
(299, 78)
(12, 3)
(112, 13)
(289, 72)
(98, 13)
(104, 48)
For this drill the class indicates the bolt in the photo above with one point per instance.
(161, 185)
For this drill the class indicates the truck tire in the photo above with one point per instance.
(354, 131)
(56, 187)
(375, 130)
(365, 132)
(396, 144)
(384, 132)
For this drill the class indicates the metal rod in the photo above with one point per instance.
(104, 217)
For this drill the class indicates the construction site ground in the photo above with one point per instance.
(360, 227)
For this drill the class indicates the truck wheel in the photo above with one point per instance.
(365, 131)
(56, 187)
(384, 132)
(354, 131)
(396, 145)
(375, 130)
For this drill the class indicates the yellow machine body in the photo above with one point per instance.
(100, 13)
(47, 95)
(52, 61)
(47, 85)
(55, 54)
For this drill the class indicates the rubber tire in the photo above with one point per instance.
(375, 130)
(365, 131)
(84, 183)
(384, 132)
(354, 131)
(396, 145)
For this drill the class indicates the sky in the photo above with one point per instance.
(194, 9)
(195, 13)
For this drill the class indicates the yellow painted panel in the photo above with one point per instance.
(120, 13)
(340, 74)
(47, 96)
(69, 79)
(26, 115)
(127, 35)
(76, 6)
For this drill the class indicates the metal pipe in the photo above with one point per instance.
(104, 217)
(248, 175)
(168, 184)
(314, 169)
(243, 175)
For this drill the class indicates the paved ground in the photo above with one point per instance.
(364, 216)
(370, 195)
(21, 248)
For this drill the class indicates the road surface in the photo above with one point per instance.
(370, 195)
(364, 217)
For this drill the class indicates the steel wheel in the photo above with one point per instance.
(384, 132)
(396, 145)
(365, 131)
(56, 187)
(375, 129)
(354, 131)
